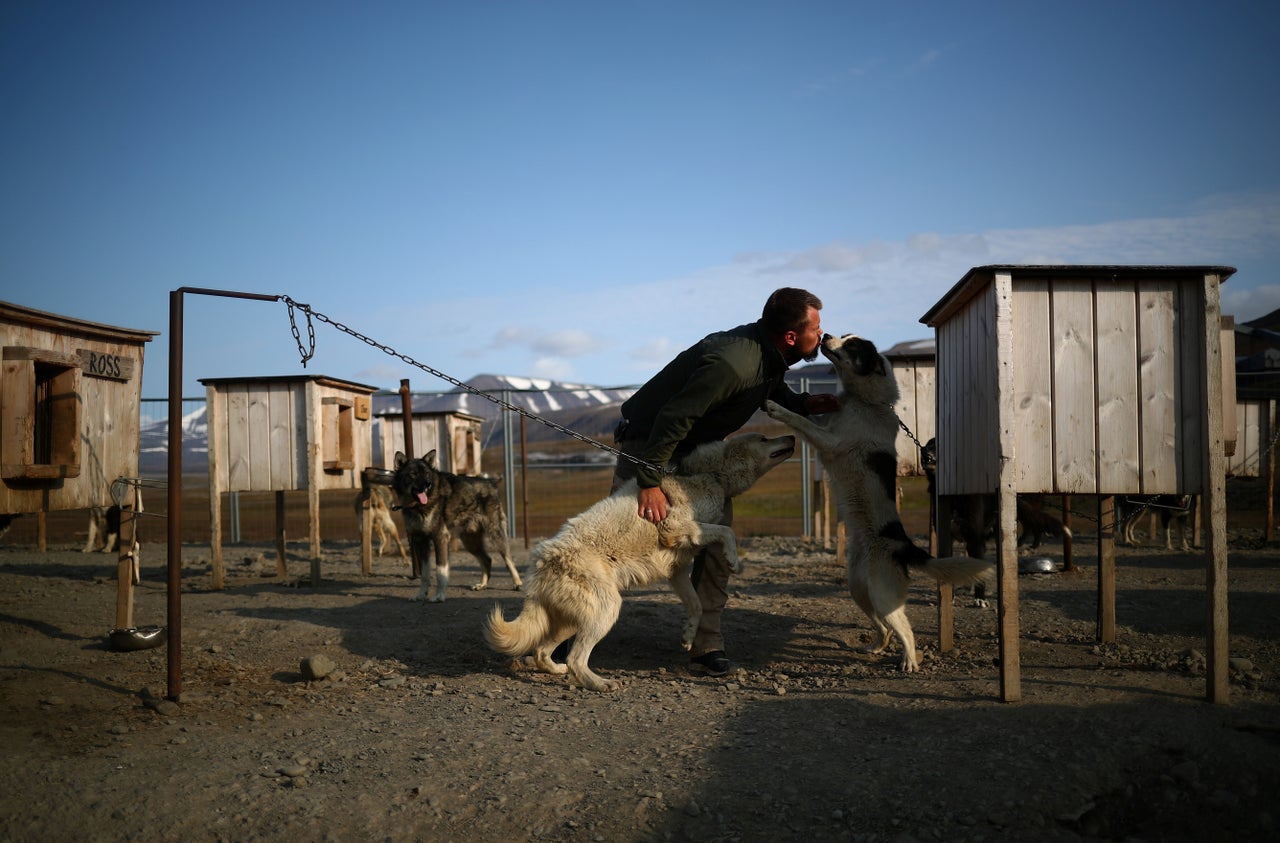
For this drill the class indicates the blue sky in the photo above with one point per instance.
(579, 190)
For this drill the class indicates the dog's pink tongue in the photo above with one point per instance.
(422, 498)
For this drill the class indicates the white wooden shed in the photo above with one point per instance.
(455, 437)
(915, 368)
(1093, 380)
(70, 399)
(283, 434)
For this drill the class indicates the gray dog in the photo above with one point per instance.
(436, 506)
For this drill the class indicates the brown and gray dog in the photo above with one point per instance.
(437, 506)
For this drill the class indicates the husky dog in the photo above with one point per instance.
(436, 506)
(579, 573)
(857, 447)
(104, 529)
(384, 526)
(973, 517)
(1173, 509)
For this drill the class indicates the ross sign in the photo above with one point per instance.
(97, 364)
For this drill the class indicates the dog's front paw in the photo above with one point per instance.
(772, 408)
(480, 586)
(439, 598)
(690, 630)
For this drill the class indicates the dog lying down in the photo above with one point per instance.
(857, 444)
(577, 575)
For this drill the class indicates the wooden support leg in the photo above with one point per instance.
(1007, 613)
(281, 570)
(126, 564)
(940, 522)
(1107, 569)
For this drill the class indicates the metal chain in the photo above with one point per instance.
(386, 349)
(907, 430)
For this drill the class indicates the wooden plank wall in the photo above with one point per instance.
(915, 407)
(255, 437)
(966, 388)
(426, 437)
(1107, 385)
(1253, 434)
(109, 424)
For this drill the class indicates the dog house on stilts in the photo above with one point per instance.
(70, 401)
(1084, 380)
(284, 434)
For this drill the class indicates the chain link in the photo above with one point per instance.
(307, 354)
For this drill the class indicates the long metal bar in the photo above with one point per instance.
(174, 535)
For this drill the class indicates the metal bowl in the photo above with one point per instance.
(1037, 565)
(137, 637)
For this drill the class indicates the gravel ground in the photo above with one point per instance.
(419, 732)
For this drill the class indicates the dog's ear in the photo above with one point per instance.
(401, 459)
(430, 458)
(866, 360)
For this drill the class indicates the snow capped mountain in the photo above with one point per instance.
(589, 410)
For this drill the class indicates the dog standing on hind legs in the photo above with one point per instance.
(436, 506)
(857, 444)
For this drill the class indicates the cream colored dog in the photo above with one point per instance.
(383, 525)
(857, 444)
(578, 574)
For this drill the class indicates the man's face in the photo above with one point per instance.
(807, 339)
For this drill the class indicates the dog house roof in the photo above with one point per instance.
(10, 312)
(978, 277)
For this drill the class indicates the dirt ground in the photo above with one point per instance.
(421, 733)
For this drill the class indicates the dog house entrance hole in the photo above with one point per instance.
(41, 405)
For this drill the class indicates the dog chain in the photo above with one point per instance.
(308, 353)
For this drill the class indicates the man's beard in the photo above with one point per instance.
(794, 355)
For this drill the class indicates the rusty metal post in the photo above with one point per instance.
(174, 515)
(406, 411)
(524, 483)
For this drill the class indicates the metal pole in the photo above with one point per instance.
(806, 480)
(174, 521)
(173, 585)
(508, 463)
(524, 482)
(406, 409)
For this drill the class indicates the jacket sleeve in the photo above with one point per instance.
(793, 401)
(710, 383)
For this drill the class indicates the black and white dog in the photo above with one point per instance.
(857, 444)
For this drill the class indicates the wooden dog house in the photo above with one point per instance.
(915, 368)
(1094, 380)
(283, 434)
(70, 399)
(455, 437)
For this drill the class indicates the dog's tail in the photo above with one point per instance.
(521, 635)
(959, 570)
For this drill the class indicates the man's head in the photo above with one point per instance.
(791, 318)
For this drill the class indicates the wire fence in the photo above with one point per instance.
(546, 478)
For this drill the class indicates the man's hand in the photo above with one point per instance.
(824, 402)
(653, 504)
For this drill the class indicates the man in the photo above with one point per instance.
(706, 393)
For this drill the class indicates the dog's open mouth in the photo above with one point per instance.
(783, 453)
(422, 497)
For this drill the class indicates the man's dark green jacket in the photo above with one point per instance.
(706, 393)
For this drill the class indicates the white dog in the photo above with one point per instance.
(857, 446)
(579, 573)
